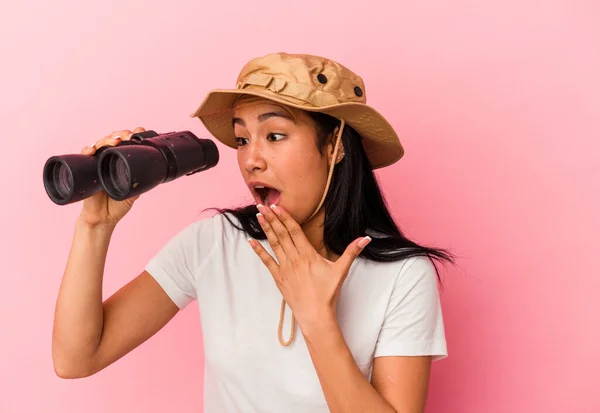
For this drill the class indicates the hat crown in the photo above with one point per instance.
(315, 72)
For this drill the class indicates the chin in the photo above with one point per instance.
(293, 212)
(301, 216)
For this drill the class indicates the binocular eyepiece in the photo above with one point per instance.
(133, 167)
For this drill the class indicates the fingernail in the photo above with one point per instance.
(260, 218)
(275, 209)
(260, 207)
(117, 137)
(251, 242)
(363, 242)
(93, 145)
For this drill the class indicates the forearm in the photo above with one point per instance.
(78, 315)
(346, 389)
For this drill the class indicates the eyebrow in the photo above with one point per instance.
(264, 116)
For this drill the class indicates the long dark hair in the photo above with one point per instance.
(354, 206)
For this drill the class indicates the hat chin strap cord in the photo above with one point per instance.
(282, 312)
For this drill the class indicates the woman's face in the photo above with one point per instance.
(277, 150)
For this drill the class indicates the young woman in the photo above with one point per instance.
(311, 299)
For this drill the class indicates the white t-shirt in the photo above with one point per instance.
(385, 309)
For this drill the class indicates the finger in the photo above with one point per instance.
(108, 141)
(113, 139)
(272, 238)
(265, 257)
(89, 150)
(351, 253)
(123, 134)
(281, 231)
(294, 229)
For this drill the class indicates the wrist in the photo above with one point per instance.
(321, 323)
(95, 227)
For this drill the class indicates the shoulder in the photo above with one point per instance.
(194, 244)
(419, 266)
(405, 270)
(211, 227)
(409, 281)
(417, 275)
(216, 232)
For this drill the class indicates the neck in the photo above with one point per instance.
(313, 229)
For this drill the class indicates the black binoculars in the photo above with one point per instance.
(131, 168)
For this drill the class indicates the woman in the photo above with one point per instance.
(311, 299)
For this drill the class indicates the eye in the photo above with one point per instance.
(275, 137)
(241, 141)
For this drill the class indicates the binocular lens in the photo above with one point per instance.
(62, 180)
(118, 173)
(71, 178)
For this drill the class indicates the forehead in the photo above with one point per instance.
(252, 105)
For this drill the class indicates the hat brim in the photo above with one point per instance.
(380, 141)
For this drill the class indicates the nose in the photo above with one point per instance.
(252, 157)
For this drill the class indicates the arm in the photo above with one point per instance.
(88, 334)
(398, 384)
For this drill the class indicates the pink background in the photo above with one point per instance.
(498, 105)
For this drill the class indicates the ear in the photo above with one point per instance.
(331, 147)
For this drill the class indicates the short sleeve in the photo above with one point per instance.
(413, 324)
(177, 263)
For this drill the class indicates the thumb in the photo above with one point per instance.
(352, 252)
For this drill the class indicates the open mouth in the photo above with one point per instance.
(266, 195)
